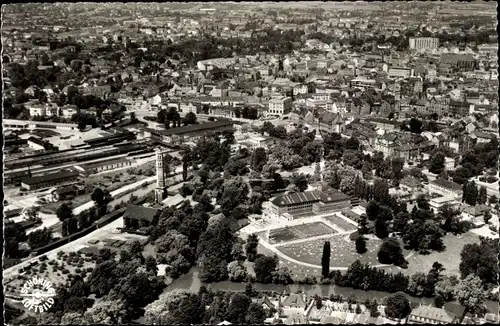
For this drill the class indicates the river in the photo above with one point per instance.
(192, 283)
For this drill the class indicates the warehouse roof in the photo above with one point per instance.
(50, 177)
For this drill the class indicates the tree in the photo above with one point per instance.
(258, 159)
(487, 217)
(109, 312)
(64, 212)
(237, 271)
(470, 194)
(318, 302)
(418, 284)
(238, 308)
(470, 293)
(249, 290)
(390, 252)
(264, 267)
(397, 306)
(189, 119)
(176, 308)
(39, 238)
(374, 309)
(100, 197)
(416, 126)
(325, 260)
(482, 196)
(363, 225)
(481, 260)
(255, 314)
(436, 163)
(438, 302)
(32, 213)
(251, 247)
(445, 287)
(361, 245)
(433, 277)
(423, 236)
(381, 230)
(300, 181)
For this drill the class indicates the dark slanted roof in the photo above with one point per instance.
(192, 128)
(447, 184)
(296, 198)
(50, 177)
(141, 213)
(13, 212)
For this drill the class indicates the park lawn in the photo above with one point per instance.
(343, 252)
(297, 271)
(450, 257)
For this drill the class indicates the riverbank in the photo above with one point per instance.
(192, 283)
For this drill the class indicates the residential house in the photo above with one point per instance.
(411, 184)
(449, 163)
(331, 122)
(424, 314)
(385, 124)
(186, 107)
(482, 137)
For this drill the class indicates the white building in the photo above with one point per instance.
(279, 106)
(399, 72)
(418, 43)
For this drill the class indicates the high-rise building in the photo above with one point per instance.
(418, 43)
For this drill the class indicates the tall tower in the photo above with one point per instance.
(161, 175)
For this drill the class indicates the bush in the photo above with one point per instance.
(65, 271)
(89, 269)
(60, 253)
(43, 258)
(78, 270)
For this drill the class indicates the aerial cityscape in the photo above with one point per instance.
(250, 163)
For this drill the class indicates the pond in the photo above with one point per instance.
(192, 283)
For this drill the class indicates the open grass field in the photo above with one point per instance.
(299, 232)
(340, 222)
(343, 252)
(296, 269)
(450, 257)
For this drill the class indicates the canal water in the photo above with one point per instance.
(191, 282)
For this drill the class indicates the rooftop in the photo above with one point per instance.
(447, 184)
(141, 213)
(50, 177)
